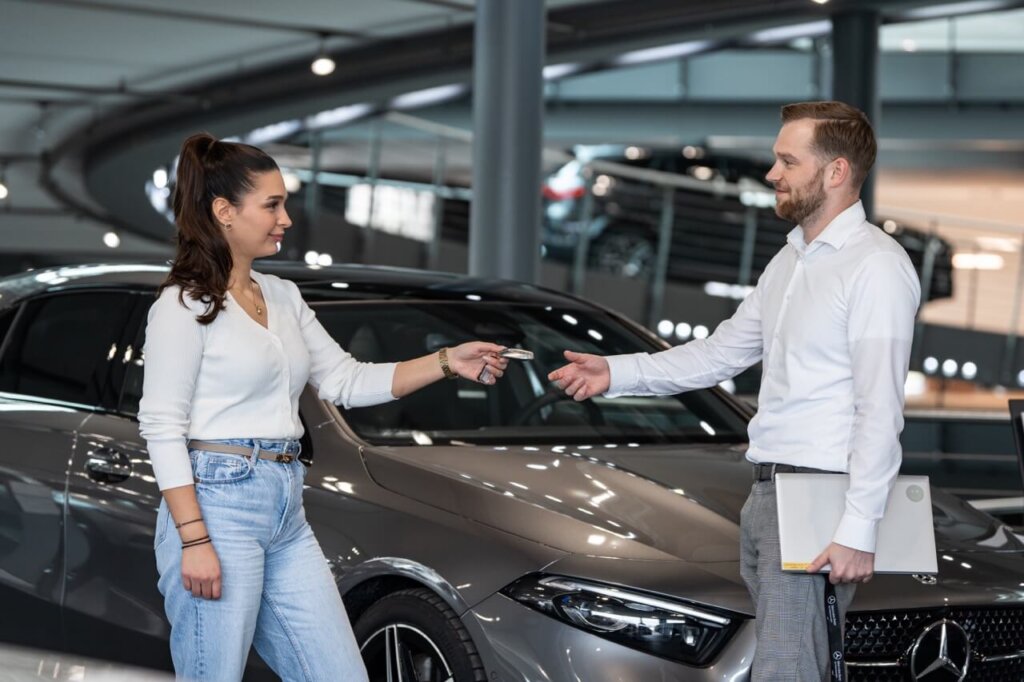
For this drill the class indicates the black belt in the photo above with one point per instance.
(766, 471)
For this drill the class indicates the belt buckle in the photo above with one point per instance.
(285, 459)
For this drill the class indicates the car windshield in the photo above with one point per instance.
(524, 407)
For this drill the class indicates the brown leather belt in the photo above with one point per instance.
(766, 470)
(240, 450)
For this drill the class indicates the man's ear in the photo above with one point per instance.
(838, 172)
(223, 211)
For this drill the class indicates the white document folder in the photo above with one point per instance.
(811, 505)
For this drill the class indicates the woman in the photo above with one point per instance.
(228, 351)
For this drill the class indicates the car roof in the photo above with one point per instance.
(317, 283)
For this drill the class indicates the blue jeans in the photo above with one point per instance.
(277, 591)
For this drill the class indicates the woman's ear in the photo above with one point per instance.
(223, 211)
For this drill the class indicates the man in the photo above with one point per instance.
(832, 320)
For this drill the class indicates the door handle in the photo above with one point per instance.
(108, 465)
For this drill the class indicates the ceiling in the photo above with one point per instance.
(91, 92)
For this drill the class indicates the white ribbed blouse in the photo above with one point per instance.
(234, 378)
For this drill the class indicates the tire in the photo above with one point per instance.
(417, 629)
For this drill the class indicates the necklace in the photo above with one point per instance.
(255, 289)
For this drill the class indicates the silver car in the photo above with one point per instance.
(476, 533)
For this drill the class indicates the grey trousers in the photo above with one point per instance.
(792, 641)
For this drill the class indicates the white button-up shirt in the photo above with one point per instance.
(233, 378)
(833, 323)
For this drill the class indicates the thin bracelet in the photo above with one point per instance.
(196, 544)
(189, 543)
(185, 523)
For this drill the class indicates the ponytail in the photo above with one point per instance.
(208, 169)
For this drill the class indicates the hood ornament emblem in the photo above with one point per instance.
(941, 653)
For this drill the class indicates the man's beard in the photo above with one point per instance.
(803, 202)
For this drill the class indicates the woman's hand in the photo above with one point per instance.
(200, 571)
(469, 360)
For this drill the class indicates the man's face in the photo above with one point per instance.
(798, 174)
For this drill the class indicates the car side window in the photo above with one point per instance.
(6, 319)
(69, 347)
(131, 392)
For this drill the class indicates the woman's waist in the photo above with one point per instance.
(288, 445)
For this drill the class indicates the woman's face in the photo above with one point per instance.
(259, 221)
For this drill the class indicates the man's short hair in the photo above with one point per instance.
(841, 130)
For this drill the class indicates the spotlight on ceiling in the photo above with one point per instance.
(323, 65)
(820, 2)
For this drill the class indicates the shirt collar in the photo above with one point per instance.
(837, 231)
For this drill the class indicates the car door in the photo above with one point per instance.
(112, 608)
(54, 372)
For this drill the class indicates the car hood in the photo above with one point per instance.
(641, 502)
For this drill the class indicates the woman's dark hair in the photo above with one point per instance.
(209, 168)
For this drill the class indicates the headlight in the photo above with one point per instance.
(670, 629)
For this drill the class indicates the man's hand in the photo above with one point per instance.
(848, 565)
(585, 376)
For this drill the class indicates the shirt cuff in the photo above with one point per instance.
(856, 533)
(171, 465)
(375, 384)
(624, 372)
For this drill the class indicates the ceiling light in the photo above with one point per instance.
(323, 65)
(112, 240)
(820, 2)
(3, 191)
(778, 34)
(662, 52)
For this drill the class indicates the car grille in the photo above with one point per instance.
(887, 636)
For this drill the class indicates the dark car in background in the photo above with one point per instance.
(709, 222)
(476, 533)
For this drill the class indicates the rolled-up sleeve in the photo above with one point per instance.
(173, 353)
(736, 345)
(882, 307)
(336, 375)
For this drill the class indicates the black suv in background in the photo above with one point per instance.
(708, 223)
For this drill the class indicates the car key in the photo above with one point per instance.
(511, 354)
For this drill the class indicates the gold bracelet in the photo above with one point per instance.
(442, 357)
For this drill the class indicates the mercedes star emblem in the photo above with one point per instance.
(941, 653)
